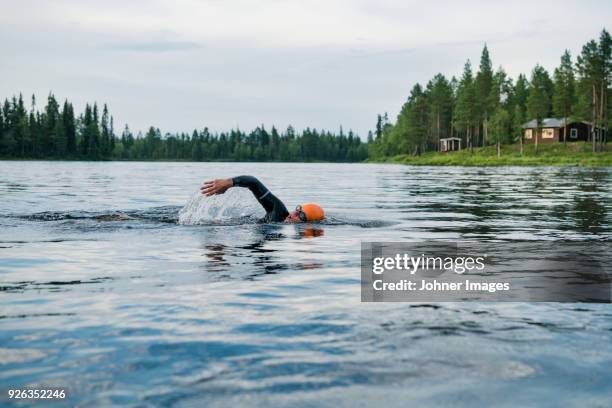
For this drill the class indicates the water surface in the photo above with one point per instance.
(147, 311)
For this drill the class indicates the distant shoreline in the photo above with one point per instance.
(552, 155)
(555, 155)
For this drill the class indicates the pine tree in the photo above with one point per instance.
(440, 98)
(483, 85)
(85, 125)
(127, 141)
(564, 94)
(379, 127)
(465, 113)
(274, 145)
(587, 64)
(34, 129)
(521, 92)
(105, 133)
(69, 128)
(112, 135)
(538, 101)
(22, 128)
(50, 120)
(94, 134)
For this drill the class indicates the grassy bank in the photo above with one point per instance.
(574, 154)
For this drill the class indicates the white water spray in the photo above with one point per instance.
(235, 203)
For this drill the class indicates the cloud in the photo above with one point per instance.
(154, 46)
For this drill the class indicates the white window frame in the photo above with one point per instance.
(573, 133)
(548, 133)
(528, 133)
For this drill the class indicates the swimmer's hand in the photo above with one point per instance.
(218, 186)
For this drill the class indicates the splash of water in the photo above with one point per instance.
(234, 204)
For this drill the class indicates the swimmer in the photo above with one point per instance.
(275, 209)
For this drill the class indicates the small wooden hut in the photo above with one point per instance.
(450, 144)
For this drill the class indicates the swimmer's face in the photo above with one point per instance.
(294, 216)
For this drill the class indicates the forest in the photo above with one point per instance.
(55, 132)
(488, 107)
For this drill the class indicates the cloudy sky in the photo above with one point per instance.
(185, 64)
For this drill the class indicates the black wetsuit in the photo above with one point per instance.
(275, 209)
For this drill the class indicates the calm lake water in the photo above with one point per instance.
(150, 312)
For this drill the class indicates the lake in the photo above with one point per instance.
(151, 312)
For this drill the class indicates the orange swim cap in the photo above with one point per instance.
(313, 212)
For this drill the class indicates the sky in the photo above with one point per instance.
(185, 64)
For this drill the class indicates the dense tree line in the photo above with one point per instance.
(488, 107)
(257, 145)
(55, 132)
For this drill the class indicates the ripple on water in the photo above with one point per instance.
(228, 312)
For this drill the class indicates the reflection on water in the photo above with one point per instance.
(216, 261)
(256, 254)
(312, 232)
(102, 290)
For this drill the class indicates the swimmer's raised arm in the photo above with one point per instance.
(220, 186)
(275, 209)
